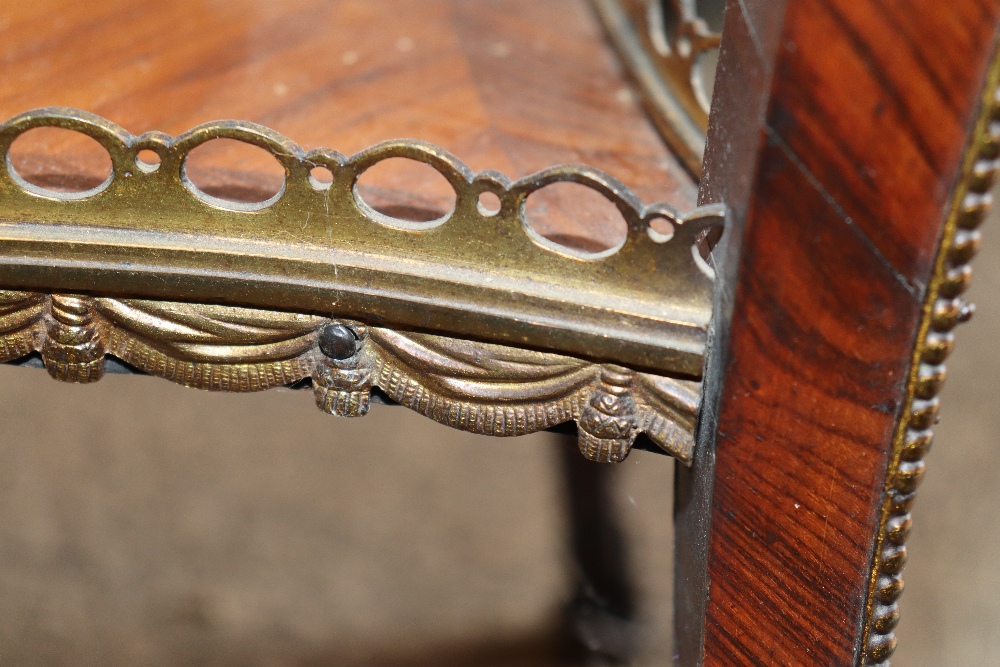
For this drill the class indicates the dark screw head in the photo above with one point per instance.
(338, 341)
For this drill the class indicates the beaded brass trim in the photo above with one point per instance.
(943, 310)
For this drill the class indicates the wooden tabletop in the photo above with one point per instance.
(511, 85)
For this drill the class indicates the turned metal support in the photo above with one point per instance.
(603, 612)
(342, 381)
(73, 350)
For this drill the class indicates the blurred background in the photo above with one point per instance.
(142, 523)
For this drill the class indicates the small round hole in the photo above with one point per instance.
(660, 229)
(703, 76)
(488, 203)
(575, 217)
(234, 172)
(147, 160)
(320, 178)
(57, 161)
(405, 190)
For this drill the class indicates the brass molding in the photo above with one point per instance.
(313, 284)
(318, 248)
(668, 49)
(478, 387)
(943, 310)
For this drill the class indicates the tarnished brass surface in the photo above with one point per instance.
(478, 387)
(661, 43)
(229, 296)
(944, 309)
(314, 248)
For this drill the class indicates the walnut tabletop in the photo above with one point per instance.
(511, 85)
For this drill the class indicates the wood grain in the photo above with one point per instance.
(868, 109)
(512, 85)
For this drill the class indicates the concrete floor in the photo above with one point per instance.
(146, 524)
